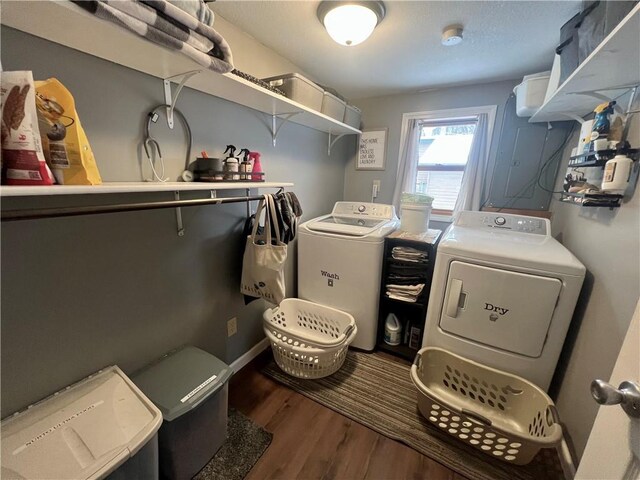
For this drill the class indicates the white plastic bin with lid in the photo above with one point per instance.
(415, 210)
(102, 426)
(352, 116)
(332, 106)
(299, 89)
(530, 93)
(190, 387)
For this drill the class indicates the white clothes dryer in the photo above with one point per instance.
(340, 262)
(503, 293)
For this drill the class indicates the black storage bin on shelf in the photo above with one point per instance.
(582, 34)
(599, 19)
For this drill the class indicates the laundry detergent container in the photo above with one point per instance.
(190, 387)
(102, 426)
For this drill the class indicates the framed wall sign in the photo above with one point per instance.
(372, 149)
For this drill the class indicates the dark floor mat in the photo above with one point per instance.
(245, 444)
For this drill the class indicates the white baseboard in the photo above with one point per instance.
(256, 350)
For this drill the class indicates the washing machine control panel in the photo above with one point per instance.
(503, 221)
(372, 210)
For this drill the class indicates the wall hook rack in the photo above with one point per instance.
(275, 128)
(171, 99)
(332, 142)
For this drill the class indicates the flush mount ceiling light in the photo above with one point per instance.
(350, 23)
(452, 35)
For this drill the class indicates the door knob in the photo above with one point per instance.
(627, 395)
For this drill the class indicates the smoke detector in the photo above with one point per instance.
(452, 35)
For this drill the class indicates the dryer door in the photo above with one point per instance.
(499, 308)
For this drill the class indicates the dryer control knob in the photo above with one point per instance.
(500, 220)
(361, 208)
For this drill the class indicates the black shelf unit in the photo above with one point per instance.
(408, 313)
(600, 158)
(592, 199)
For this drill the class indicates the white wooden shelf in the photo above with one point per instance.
(132, 187)
(612, 68)
(62, 22)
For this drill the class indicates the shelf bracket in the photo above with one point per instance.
(171, 99)
(275, 128)
(333, 142)
(176, 196)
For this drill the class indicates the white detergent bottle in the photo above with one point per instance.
(392, 330)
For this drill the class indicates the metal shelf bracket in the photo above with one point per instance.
(275, 128)
(171, 99)
(332, 142)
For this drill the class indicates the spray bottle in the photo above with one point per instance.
(257, 175)
(231, 164)
(245, 165)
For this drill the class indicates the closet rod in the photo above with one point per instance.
(33, 214)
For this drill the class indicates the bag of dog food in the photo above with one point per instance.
(64, 141)
(23, 161)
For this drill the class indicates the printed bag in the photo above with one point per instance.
(265, 257)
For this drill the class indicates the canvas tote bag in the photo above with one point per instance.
(263, 262)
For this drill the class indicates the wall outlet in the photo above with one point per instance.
(232, 327)
(376, 189)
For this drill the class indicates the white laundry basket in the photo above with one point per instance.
(308, 340)
(501, 414)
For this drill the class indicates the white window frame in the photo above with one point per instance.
(451, 113)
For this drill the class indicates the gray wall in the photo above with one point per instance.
(82, 293)
(608, 243)
(387, 112)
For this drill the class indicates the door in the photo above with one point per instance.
(613, 448)
(494, 307)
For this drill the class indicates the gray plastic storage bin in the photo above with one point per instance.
(190, 387)
(352, 116)
(299, 89)
(332, 106)
(102, 426)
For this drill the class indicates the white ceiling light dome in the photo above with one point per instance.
(350, 23)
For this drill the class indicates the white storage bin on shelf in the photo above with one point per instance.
(333, 107)
(530, 93)
(352, 116)
(501, 414)
(299, 89)
(308, 340)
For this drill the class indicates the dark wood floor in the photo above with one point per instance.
(313, 442)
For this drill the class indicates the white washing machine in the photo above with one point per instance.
(340, 262)
(503, 293)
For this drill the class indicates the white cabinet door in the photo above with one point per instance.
(499, 308)
(613, 449)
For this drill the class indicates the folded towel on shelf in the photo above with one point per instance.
(406, 293)
(198, 9)
(165, 24)
(218, 59)
(408, 254)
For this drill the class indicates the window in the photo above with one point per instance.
(443, 150)
(436, 164)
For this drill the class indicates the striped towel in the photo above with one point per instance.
(198, 9)
(166, 30)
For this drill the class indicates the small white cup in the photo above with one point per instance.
(600, 144)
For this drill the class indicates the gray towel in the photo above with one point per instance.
(165, 24)
(198, 9)
(218, 59)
